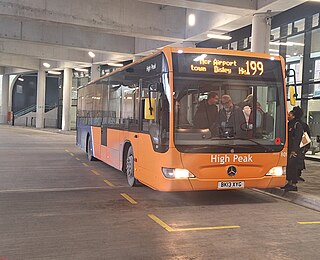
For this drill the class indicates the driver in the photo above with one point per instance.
(231, 119)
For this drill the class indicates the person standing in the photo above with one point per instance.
(206, 115)
(295, 156)
(305, 148)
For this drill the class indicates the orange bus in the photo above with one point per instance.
(141, 119)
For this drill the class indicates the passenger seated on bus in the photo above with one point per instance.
(231, 119)
(207, 113)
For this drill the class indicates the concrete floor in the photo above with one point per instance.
(56, 205)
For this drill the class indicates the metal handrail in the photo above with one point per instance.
(33, 109)
(25, 111)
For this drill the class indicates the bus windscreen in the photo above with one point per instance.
(215, 98)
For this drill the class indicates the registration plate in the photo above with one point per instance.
(230, 184)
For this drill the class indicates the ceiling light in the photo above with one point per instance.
(20, 79)
(180, 51)
(81, 69)
(191, 20)
(287, 43)
(54, 72)
(115, 64)
(219, 36)
(45, 64)
(91, 54)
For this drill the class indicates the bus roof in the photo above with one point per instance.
(168, 50)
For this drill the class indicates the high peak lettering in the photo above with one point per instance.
(234, 158)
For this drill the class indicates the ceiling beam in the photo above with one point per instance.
(19, 61)
(218, 6)
(125, 17)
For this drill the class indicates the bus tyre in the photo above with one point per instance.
(130, 168)
(90, 150)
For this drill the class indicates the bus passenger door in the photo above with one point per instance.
(154, 137)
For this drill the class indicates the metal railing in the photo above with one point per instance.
(33, 108)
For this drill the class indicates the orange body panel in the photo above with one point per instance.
(207, 168)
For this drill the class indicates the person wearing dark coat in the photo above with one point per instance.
(304, 149)
(231, 119)
(206, 115)
(295, 156)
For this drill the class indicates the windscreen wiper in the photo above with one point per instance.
(266, 148)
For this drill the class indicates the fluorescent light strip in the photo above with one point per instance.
(54, 72)
(115, 64)
(287, 43)
(219, 36)
(81, 69)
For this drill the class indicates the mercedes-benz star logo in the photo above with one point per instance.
(232, 171)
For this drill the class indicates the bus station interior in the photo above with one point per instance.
(294, 34)
(58, 202)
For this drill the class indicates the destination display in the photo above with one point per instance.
(225, 65)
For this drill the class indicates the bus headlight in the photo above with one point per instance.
(277, 171)
(175, 173)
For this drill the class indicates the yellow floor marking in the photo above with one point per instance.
(161, 223)
(204, 228)
(67, 151)
(128, 198)
(71, 154)
(85, 164)
(109, 183)
(77, 159)
(309, 223)
(170, 229)
(96, 173)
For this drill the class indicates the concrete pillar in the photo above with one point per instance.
(95, 71)
(4, 100)
(41, 96)
(261, 27)
(260, 42)
(66, 104)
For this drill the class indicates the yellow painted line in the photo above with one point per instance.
(85, 164)
(67, 151)
(96, 173)
(161, 223)
(77, 159)
(309, 223)
(128, 198)
(71, 154)
(170, 229)
(204, 228)
(109, 183)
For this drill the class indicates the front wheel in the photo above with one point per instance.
(130, 168)
(90, 149)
